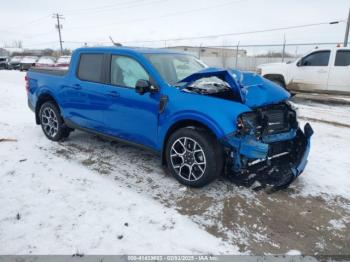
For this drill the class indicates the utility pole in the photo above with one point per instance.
(346, 39)
(59, 27)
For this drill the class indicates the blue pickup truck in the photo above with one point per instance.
(203, 122)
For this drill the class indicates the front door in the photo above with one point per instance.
(131, 116)
(311, 73)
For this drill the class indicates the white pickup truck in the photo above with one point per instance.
(321, 70)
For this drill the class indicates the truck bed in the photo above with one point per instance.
(57, 71)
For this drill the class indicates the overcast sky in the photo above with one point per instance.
(139, 20)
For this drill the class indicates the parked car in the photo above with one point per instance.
(63, 61)
(46, 61)
(3, 62)
(27, 62)
(14, 62)
(322, 70)
(201, 121)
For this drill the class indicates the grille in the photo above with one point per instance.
(276, 121)
(269, 120)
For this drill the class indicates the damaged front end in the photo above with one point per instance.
(268, 147)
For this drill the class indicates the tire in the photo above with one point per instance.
(279, 82)
(202, 160)
(52, 123)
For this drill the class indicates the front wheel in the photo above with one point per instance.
(194, 157)
(52, 123)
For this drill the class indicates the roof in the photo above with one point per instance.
(132, 50)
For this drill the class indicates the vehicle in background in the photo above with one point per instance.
(3, 62)
(202, 121)
(322, 71)
(46, 61)
(14, 62)
(27, 62)
(63, 61)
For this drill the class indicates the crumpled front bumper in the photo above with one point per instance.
(281, 156)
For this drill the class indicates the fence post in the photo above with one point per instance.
(236, 63)
(284, 47)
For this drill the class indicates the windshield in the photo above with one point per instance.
(175, 67)
(16, 59)
(64, 59)
(46, 60)
(29, 59)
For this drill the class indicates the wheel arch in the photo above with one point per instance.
(42, 98)
(279, 77)
(182, 124)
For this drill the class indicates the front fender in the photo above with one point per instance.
(187, 115)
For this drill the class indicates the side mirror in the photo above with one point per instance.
(143, 86)
(300, 62)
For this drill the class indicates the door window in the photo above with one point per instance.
(90, 67)
(342, 58)
(320, 58)
(126, 71)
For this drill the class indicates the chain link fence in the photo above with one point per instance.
(248, 57)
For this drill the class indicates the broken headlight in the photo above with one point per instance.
(247, 123)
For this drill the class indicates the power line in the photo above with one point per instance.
(218, 35)
(238, 33)
(30, 22)
(102, 8)
(161, 16)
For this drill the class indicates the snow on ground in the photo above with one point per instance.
(328, 168)
(78, 195)
(322, 112)
(52, 205)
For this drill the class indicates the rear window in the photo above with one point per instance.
(342, 58)
(90, 67)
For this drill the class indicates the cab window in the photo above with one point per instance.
(320, 58)
(342, 58)
(90, 67)
(126, 71)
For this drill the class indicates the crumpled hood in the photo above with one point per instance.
(251, 89)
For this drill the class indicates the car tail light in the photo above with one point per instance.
(26, 78)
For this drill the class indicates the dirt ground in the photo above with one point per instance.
(257, 222)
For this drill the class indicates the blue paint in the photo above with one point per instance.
(137, 118)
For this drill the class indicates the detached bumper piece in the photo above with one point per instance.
(273, 161)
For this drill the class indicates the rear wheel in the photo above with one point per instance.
(52, 123)
(194, 157)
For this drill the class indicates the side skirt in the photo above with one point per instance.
(109, 137)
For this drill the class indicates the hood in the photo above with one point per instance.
(249, 88)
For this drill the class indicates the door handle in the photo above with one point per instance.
(322, 71)
(113, 93)
(77, 87)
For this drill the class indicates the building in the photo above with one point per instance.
(213, 56)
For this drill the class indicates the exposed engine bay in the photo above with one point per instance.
(212, 86)
(267, 148)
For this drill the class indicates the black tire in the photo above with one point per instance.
(55, 128)
(213, 156)
(279, 82)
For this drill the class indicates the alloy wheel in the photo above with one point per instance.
(188, 159)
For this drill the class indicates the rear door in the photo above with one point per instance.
(339, 75)
(131, 116)
(311, 72)
(84, 97)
